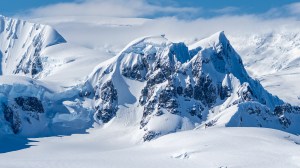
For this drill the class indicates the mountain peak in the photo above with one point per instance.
(222, 36)
(177, 86)
(215, 39)
(219, 37)
(21, 46)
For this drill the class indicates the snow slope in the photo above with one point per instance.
(211, 148)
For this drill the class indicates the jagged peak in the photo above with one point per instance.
(218, 37)
(217, 49)
(215, 39)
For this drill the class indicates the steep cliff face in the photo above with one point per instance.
(21, 45)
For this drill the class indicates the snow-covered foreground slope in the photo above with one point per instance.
(211, 148)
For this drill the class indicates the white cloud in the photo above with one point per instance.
(97, 23)
(97, 32)
(290, 10)
(117, 8)
(294, 8)
(226, 10)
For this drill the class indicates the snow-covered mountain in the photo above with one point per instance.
(261, 51)
(173, 87)
(153, 85)
(181, 97)
(21, 45)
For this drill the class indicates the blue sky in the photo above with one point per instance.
(12, 7)
(206, 8)
(245, 6)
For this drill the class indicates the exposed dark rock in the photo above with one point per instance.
(281, 111)
(159, 77)
(247, 94)
(285, 108)
(205, 91)
(224, 92)
(196, 110)
(149, 108)
(159, 113)
(30, 104)
(106, 114)
(150, 135)
(252, 110)
(37, 66)
(284, 121)
(144, 96)
(179, 90)
(12, 118)
(135, 72)
(109, 102)
(188, 91)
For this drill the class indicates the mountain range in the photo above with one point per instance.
(153, 86)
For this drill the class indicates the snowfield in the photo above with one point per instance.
(211, 148)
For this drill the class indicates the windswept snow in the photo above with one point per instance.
(211, 148)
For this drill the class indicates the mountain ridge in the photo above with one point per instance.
(143, 60)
